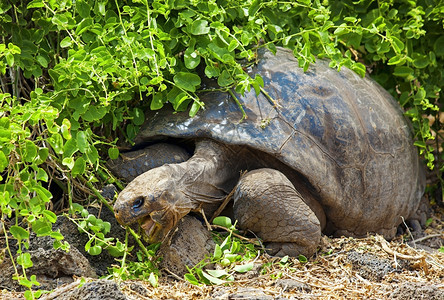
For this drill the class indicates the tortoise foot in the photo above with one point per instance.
(267, 203)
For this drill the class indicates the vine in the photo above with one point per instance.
(77, 76)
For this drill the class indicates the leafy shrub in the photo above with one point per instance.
(76, 76)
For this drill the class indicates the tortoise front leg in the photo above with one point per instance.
(267, 203)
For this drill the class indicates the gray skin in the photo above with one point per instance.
(324, 151)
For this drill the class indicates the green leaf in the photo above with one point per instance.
(225, 79)
(221, 54)
(438, 46)
(94, 113)
(115, 251)
(69, 162)
(56, 235)
(18, 232)
(60, 19)
(342, 29)
(56, 142)
(420, 144)
(138, 116)
(359, 69)
(100, 8)
(353, 39)
(66, 129)
(26, 283)
(3, 161)
(43, 155)
(79, 167)
(421, 62)
(191, 58)
(30, 151)
(153, 280)
(50, 216)
(233, 45)
(43, 193)
(35, 4)
(70, 148)
(95, 250)
(9, 59)
(302, 258)
(84, 25)
(217, 273)
(217, 254)
(428, 222)
(24, 260)
(113, 153)
(211, 71)
(42, 175)
(397, 44)
(82, 141)
(199, 27)
(194, 108)
(187, 81)
(191, 279)
(41, 227)
(225, 262)
(66, 42)
(158, 100)
(403, 71)
(396, 60)
(83, 8)
(92, 154)
(244, 268)
(212, 279)
(284, 260)
(42, 61)
(222, 221)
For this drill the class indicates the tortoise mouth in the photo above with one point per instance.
(150, 228)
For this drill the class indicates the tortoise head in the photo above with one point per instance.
(154, 199)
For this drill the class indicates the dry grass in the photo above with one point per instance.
(331, 274)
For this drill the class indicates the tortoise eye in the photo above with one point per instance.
(138, 202)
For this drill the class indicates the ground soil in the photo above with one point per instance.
(343, 268)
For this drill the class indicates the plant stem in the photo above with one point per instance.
(244, 115)
(98, 195)
(138, 241)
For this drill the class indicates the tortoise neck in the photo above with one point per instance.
(210, 174)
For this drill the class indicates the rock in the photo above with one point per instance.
(240, 293)
(417, 290)
(95, 290)
(77, 239)
(137, 287)
(293, 285)
(188, 245)
(56, 267)
(109, 191)
(370, 266)
(52, 267)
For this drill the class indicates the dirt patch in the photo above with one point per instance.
(343, 268)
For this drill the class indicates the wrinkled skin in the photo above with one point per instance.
(341, 141)
(156, 205)
(160, 197)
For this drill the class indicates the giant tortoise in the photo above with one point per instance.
(324, 151)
